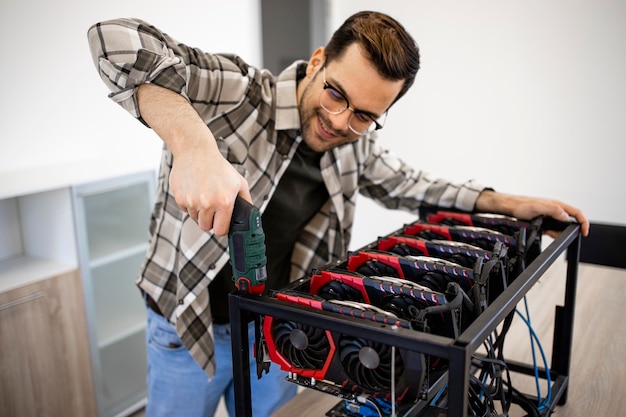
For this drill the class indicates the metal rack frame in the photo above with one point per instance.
(458, 352)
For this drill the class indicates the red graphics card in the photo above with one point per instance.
(375, 290)
(433, 273)
(477, 236)
(526, 233)
(343, 365)
(461, 253)
(504, 224)
(426, 310)
(492, 267)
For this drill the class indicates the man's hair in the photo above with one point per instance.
(391, 49)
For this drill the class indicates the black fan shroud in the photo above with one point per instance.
(305, 347)
(337, 290)
(434, 280)
(368, 364)
(403, 249)
(377, 268)
(403, 306)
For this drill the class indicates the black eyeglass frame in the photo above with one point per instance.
(327, 86)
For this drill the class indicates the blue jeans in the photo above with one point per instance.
(177, 385)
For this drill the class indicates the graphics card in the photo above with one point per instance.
(426, 310)
(477, 236)
(341, 364)
(500, 223)
(462, 253)
(433, 273)
(375, 290)
(526, 233)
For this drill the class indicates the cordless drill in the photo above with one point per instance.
(246, 243)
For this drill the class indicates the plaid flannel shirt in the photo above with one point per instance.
(254, 117)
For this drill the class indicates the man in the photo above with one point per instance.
(299, 145)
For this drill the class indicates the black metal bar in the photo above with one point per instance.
(426, 343)
(564, 318)
(559, 390)
(526, 369)
(458, 382)
(239, 319)
(487, 322)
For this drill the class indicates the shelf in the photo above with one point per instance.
(129, 331)
(23, 270)
(40, 179)
(117, 300)
(114, 255)
(123, 373)
(38, 226)
(116, 219)
(113, 334)
(112, 225)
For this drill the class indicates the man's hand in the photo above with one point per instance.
(206, 186)
(527, 208)
(203, 182)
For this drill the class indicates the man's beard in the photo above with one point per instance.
(309, 132)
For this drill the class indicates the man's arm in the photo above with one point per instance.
(166, 84)
(529, 207)
(203, 182)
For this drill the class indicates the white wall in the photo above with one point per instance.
(526, 96)
(54, 106)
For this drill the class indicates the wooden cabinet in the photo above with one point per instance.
(45, 367)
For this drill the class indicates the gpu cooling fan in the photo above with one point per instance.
(304, 347)
(342, 364)
(369, 364)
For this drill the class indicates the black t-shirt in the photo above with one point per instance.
(299, 195)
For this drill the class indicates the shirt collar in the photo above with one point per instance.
(287, 115)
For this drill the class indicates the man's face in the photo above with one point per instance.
(356, 78)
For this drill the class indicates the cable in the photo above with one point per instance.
(534, 338)
(439, 394)
(523, 401)
(500, 376)
(534, 356)
(376, 406)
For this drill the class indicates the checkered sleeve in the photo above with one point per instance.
(393, 183)
(130, 52)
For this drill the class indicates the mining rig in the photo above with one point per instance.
(413, 323)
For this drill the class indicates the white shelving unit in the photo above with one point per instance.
(111, 221)
(92, 216)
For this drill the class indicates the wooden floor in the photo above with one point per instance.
(598, 373)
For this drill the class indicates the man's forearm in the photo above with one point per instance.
(492, 202)
(175, 121)
(202, 181)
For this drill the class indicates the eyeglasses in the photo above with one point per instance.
(360, 122)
